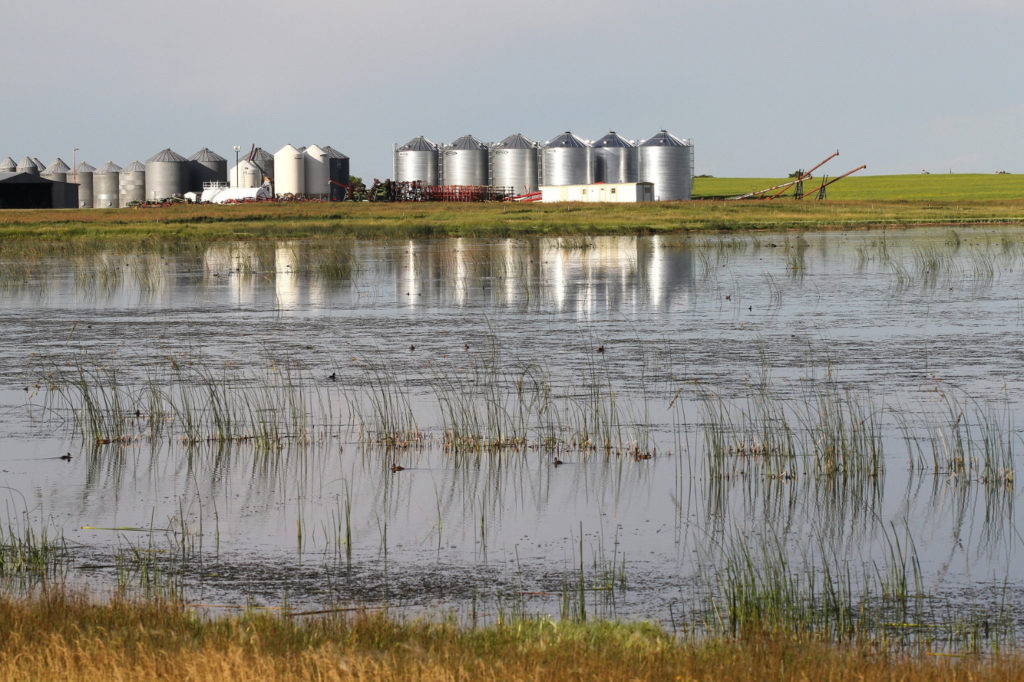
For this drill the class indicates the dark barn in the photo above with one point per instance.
(22, 190)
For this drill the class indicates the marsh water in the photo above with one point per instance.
(478, 426)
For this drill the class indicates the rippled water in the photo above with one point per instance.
(635, 338)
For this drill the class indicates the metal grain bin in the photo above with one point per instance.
(56, 171)
(83, 178)
(339, 173)
(615, 159)
(416, 161)
(514, 163)
(132, 184)
(39, 165)
(667, 162)
(166, 175)
(206, 166)
(289, 171)
(317, 176)
(567, 160)
(106, 186)
(8, 166)
(265, 160)
(28, 166)
(464, 162)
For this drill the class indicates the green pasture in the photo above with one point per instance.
(923, 187)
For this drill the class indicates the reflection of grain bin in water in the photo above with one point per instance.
(416, 161)
(289, 170)
(615, 159)
(514, 164)
(106, 182)
(464, 162)
(166, 175)
(132, 184)
(567, 160)
(667, 162)
(83, 177)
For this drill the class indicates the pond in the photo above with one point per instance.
(631, 427)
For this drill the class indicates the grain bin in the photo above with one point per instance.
(28, 166)
(105, 186)
(56, 171)
(83, 178)
(339, 173)
(615, 159)
(514, 164)
(132, 184)
(567, 160)
(40, 167)
(204, 167)
(289, 171)
(8, 165)
(166, 175)
(317, 177)
(246, 174)
(416, 161)
(464, 162)
(667, 162)
(265, 160)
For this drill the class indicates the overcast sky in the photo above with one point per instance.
(762, 88)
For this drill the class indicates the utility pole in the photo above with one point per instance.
(237, 149)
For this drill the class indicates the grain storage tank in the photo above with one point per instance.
(105, 186)
(265, 160)
(416, 161)
(27, 166)
(56, 171)
(615, 159)
(567, 160)
(132, 184)
(246, 174)
(8, 166)
(339, 173)
(289, 171)
(464, 162)
(166, 175)
(206, 166)
(317, 177)
(38, 164)
(514, 164)
(667, 162)
(83, 178)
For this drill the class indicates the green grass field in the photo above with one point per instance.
(935, 187)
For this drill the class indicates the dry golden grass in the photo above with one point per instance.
(58, 637)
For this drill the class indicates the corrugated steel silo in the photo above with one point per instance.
(615, 159)
(317, 175)
(245, 174)
(28, 166)
(567, 160)
(132, 184)
(8, 166)
(416, 161)
(339, 172)
(166, 175)
(514, 163)
(56, 171)
(206, 166)
(83, 178)
(39, 164)
(464, 162)
(265, 160)
(667, 161)
(106, 182)
(289, 171)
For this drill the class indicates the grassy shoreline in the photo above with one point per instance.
(60, 636)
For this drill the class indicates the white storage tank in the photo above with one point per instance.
(289, 171)
(667, 162)
(246, 174)
(106, 182)
(8, 165)
(317, 172)
(83, 178)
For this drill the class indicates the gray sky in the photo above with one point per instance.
(763, 88)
